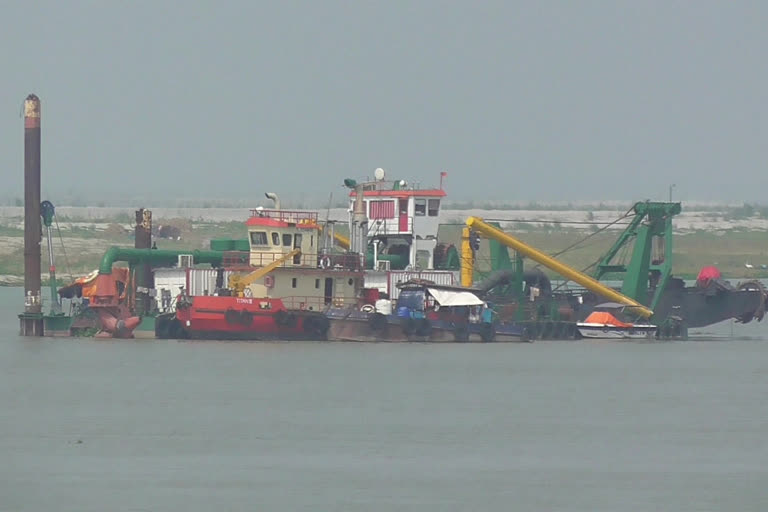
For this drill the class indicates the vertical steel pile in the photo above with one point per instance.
(143, 272)
(32, 318)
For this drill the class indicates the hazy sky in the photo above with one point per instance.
(538, 100)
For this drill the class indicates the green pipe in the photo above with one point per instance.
(154, 256)
(397, 261)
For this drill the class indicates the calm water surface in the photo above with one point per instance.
(91, 425)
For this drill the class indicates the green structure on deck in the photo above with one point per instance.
(500, 261)
(156, 257)
(650, 262)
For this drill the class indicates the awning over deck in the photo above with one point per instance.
(454, 297)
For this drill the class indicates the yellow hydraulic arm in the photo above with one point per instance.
(342, 240)
(481, 227)
(238, 283)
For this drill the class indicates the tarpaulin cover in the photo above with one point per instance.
(87, 284)
(605, 318)
(708, 273)
(455, 297)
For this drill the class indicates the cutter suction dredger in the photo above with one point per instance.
(481, 227)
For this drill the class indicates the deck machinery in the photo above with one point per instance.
(641, 259)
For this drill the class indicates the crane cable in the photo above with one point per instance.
(600, 230)
(63, 248)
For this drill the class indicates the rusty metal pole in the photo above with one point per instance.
(32, 318)
(143, 273)
(359, 238)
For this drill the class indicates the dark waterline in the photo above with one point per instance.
(90, 425)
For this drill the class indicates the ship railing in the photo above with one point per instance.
(319, 302)
(371, 183)
(345, 261)
(293, 216)
(232, 259)
(391, 226)
(329, 261)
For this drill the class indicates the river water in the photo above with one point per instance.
(89, 425)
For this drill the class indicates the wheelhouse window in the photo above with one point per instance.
(287, 240)
(434, 207)
(420, 207)
(275, 238)
(259, 238)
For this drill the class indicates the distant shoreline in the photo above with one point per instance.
(728, 239)
(689, 220)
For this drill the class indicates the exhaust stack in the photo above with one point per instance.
(273, 197)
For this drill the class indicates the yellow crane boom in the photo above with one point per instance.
(341, 240)
(481, 227)
(237, 282)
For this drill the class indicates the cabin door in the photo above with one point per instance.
(328, 290)
(403, 216)
(297, 245)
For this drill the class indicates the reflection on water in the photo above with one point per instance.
(91, 425)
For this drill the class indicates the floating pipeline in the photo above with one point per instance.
(155, 256)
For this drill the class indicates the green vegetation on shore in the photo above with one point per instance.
(86, 240)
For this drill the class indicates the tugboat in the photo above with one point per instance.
(283, 290)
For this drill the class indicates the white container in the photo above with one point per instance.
(384, 306)
(202, 281)
(440, 277)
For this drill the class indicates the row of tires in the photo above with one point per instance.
(243, 317)
(422, 327)
(316, 325)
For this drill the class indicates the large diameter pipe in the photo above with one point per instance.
(32, 227)
(467, 260)
(154, 256)
(561, 268)
(274, 198)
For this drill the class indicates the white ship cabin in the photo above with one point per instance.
(308, 280)
(400, 213)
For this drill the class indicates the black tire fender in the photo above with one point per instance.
(308, 324)
(281, 317)
(232, 316)
(423, 327)
(246, 317)
(409, 326)
(321, 326)
(461, 333)
(377, 322)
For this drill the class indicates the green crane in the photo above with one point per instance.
(650, 263)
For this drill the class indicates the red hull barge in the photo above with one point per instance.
(246, 318)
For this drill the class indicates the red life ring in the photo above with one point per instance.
(325, 262)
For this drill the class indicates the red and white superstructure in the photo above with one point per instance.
(402, 221)
(283, 288)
